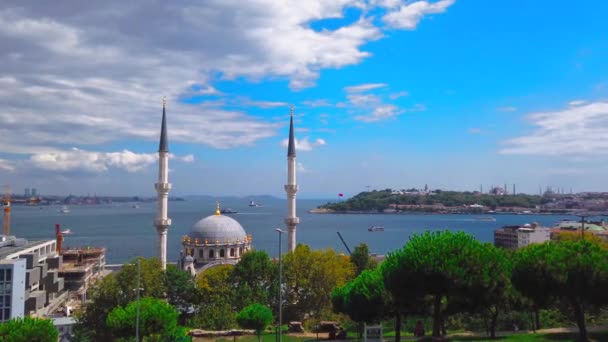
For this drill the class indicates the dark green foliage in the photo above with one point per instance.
(28, 330)
(361, 259)
(182, 291)
(576, 272)
(218, 315)
(444, 265)
(158, 320)
(257, 279)
(256, 317)
(379, 200)
(364, 299)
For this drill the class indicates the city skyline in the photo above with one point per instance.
(387, 94)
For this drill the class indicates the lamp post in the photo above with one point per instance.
(583, 216)
(138, 289)
(280, 282)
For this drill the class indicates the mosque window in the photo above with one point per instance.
(201, 253)
(241, 251)
(222, 253)
(231, 252)
(211, 256)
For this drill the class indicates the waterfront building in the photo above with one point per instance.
(214, 240)
(513, 237)
(291, 188)
(596, 228)
(162, 221)
(42, 288)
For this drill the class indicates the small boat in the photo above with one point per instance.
(375, 229)
(253, 204)
(485, 219)
(64, 210)
(135, 206)
(66, 231)
(228, 211)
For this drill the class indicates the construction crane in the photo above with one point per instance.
(345, 245)
(6, 221)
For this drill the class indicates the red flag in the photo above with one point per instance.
(340, 195)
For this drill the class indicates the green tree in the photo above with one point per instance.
(361, 259)
(215, 310)
(256, 278)
(435, 264)
(28, 330)
(118, 290)
(577, 273)
(182, 291)
(309, 278)
(157, 320)
(363, 299)
(256, 317)
(533, 277)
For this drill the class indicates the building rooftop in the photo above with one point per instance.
(14, 245)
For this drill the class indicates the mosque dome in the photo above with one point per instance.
(218, 228)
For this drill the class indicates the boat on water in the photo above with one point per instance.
(64, 210)
(253, 204)
(135, 206)
(375, 229)
(228, 211)
(485, 219)
(66, 231)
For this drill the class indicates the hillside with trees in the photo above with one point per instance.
(378, 200)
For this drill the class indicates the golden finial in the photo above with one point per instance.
(164, 101)
(217, 208)
(291, 111)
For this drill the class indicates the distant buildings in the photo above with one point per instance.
(513, 237)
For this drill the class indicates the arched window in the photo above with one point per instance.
(222, 254)
(201, 253)
(241, 251)
(211, 256)
(231, 252)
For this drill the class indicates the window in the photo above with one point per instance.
(211, 254)
(241, 251)
(222, 253)
(1, 274)
(7, 314)
(231, 252)
(201, 253)
(7, 300)
(9, 275)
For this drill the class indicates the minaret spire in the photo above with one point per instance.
(291, 188)
(162, 221)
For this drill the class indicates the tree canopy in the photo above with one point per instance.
(256, 317)
(157, 319)
(28, 329)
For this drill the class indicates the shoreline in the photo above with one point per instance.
(357, 212)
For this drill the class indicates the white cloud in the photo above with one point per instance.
(300, 168)
(572, 131)
(94, 162)
(397, 95)
(6, 165)
(304, 144)
(577, 102)
(409, 14)
(506, 109)
(364, 87)
(381, 112)
(317, 103)
(267, 104)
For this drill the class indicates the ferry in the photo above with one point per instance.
(253, 204)
(135, 206)
(228, 211)
(375, 229)
(485, 219)
(66, 231)
(64, 210)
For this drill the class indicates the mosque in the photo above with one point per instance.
(216, 239)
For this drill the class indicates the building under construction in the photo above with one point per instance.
(80, 267)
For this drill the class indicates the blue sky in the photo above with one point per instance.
(387, 93)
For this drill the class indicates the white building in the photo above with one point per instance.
(214, 240)
(513, 237)
(12, 289)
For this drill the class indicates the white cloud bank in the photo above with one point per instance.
(304, 144)
(579, 130)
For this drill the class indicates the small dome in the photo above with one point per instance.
(217, 228)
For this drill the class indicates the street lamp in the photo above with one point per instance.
(280, 282)
(583, 216)
(138, 289)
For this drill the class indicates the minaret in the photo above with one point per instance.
(162, 222)
(291, 188)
